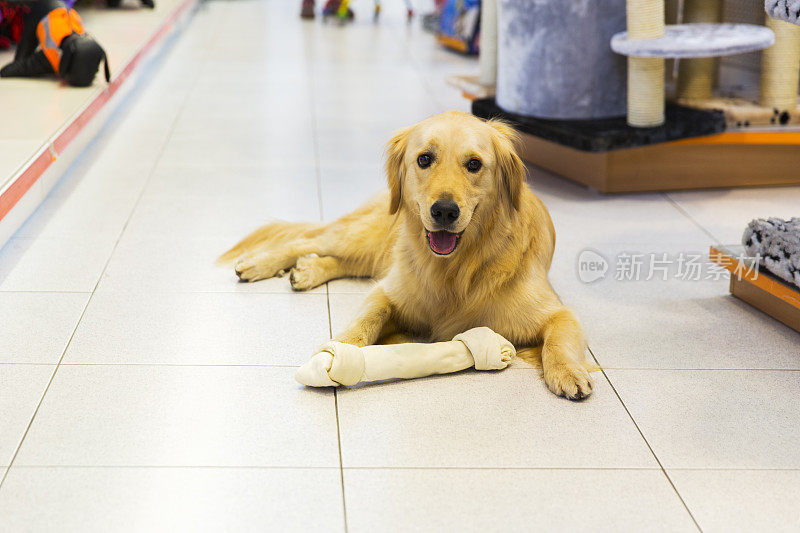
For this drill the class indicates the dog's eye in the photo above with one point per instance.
(474, 165)
(424, 160)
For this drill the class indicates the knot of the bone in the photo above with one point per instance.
(335, 364)
(490, 350)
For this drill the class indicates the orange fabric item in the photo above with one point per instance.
(53, 28)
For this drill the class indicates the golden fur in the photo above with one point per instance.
(496, 276)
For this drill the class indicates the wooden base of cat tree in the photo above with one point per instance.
(729, 159)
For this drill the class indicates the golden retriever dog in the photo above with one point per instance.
(457, 241)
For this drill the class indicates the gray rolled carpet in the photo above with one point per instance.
(777, 242)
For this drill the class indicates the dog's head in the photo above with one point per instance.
(450, 168)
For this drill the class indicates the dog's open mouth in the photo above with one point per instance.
(443, 242)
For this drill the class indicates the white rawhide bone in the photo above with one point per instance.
(344, 364)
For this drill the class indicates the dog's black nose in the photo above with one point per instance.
(445, 211)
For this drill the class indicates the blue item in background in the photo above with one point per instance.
(459, 25)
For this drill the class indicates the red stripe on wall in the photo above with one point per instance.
(24, 182)
(35, 168)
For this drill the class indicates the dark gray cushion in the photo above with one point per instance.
(777, 242)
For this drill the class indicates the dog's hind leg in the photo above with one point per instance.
(272, 235)
(311, 271)
(269, 262)
(360, 240)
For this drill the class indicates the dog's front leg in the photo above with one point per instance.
(563, 356)
(375, 315)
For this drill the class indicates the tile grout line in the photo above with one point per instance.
(624, 368)
(180, 467)
(315, 135)
(452, 468)
(338, 425)
(102, 273)
(686, 214)
(277, 365)
(47, 388)
(315, 138)
(649, 447)
(341, 466)
(44, 292)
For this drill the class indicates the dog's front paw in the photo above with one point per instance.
(570, 380)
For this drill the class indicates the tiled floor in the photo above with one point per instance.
(142, 388)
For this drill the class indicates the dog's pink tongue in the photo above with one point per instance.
(442, 242)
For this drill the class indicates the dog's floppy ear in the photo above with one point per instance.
(395, 154)
(512, 169)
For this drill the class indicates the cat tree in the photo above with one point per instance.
(649, 41)
(692, 136)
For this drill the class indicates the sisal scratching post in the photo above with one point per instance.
(487, 60)
(645, 74)
(696, 76)
(338, 363)
(780, 67)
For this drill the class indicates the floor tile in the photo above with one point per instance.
(725, 213)
(68, 217)
(37, 326)
(512, 500)
(55, 264)
(281, 181)
(232, 216)
(173, 265)
(205, 116)
(677, 322)
(353, 148)
(588, 218)
(351, 285)
(243, 151)
(88, 180)
(485, 419)
(200, 328)
(13, 154)
(346, 187)
(41, 120)
(741, 500)
(21, 388)
(120, 415)
(664, 336)
(345, 306)
(715, 418)
(171, 499)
